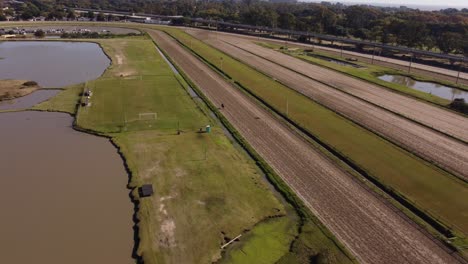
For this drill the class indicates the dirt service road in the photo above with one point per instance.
(429, 115)
(371, 229)
(425, 142)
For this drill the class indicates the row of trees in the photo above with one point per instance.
(445, 30)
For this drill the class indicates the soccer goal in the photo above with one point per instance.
(147, 116)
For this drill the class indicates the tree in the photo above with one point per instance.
(71, 14)
(39, 33)
(411, 33)
(449, 41)
(56, 14)
(100, 17)
(287, 21)
(30, 11)
(90, 15)
(464, 46)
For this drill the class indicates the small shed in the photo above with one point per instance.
(145, 190)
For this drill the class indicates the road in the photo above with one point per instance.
(431, 145)
(370, 228)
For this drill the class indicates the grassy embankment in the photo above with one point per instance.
(431, 190)
(10, 89)
(368, 72)
(206, 189)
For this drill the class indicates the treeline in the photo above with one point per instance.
(444, 30)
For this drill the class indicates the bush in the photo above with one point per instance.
(460, 105)
(39, 33)
(30, 83)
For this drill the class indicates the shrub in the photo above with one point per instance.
(30, 83)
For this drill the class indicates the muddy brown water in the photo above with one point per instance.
(28, 100)
(63, 194)
(53, 64)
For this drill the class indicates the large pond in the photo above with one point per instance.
(62, 193)
(435, 89)
(50, 63)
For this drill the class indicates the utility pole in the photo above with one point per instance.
(411, 61)
(459, 70)
(341, 53)
(373, 54)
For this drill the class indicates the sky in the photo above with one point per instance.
(439, 3)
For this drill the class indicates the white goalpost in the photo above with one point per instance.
(147, 116)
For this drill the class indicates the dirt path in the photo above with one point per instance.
(427, 143)
(420, 69)
(432, 116)
(370, 228)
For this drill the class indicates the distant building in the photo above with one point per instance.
(41, 18)
(8, 36)
(140, 19)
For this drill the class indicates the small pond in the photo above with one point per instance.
(435, 89)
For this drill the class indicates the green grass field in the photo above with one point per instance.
(429, 188)
(207, 189)
(204, 185)
(263, 245)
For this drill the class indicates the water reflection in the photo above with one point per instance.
(435, 89)
(52, 63)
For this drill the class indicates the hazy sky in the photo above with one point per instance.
(448, 3)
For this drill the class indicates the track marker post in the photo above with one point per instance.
(459, 70)
(411, 62)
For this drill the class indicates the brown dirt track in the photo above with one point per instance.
(416, 68)
(369, 227)
(425, 142)
(438, 118)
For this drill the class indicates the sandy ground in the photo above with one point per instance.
(368, 226)
(427, 143)
(436, 72)
(10, 89)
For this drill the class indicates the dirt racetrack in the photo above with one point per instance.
(417, 68)
(438, 118)
(370, 228)
(425, 142)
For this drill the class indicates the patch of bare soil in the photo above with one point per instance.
(121, 67)
(166, 234)
(11, 89)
